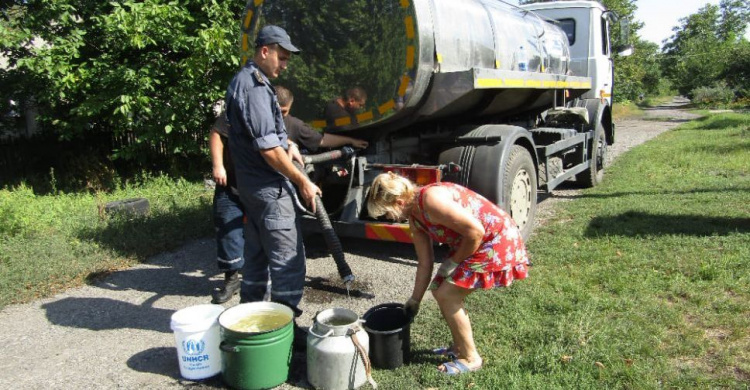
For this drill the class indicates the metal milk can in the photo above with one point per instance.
(338, 351)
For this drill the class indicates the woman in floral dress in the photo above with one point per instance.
(486, 251)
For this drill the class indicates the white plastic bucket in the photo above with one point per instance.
(196, 333)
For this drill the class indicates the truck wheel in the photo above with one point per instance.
(519, 189)
(595, 174)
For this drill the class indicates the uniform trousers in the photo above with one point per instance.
(273, 245)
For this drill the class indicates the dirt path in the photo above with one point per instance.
(115, 334)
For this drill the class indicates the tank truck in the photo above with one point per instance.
(508, 101)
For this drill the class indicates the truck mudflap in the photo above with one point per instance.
(380, 231)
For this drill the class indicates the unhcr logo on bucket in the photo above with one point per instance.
(193, 347)
(193, 350)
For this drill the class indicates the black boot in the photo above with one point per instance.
(231, 286)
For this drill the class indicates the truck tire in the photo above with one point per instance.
(132, 207)
(519, 189)
(503, 172)
(597, 161)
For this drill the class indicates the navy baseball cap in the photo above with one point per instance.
(274, 34)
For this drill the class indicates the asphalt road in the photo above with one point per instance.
(116, 333)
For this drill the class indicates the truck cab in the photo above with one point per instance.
(587, 26)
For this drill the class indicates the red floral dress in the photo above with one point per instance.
(501, 257)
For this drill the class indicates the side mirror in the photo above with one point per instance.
(623, 48)
(624, 30)
(624, 51)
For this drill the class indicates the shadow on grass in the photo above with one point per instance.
(637, 224)
(142, 237)
(147, 239)
(720, 122)
(654, 193)
(721, 150)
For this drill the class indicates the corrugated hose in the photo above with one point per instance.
(329, 234)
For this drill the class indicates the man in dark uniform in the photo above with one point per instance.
(261, 153)
(305, 136)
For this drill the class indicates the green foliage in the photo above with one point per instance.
(142, 69)
(737, 72)
(639, 73)
(720, 94)
(708, 47)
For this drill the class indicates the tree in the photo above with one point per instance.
(639, 73)
(735, 15)
(148, 70)
(706, 44)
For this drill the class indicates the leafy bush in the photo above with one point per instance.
(143, 72)
(719, 94)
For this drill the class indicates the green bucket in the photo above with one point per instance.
(254, 360)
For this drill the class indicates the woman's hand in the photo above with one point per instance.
(411, 308)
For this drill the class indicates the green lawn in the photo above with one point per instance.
(49, 243)
(642, 283)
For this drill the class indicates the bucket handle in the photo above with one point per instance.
(227, 347)
(312, 332)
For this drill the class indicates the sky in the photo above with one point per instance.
(659, 16)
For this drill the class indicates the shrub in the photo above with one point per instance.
(719, 94)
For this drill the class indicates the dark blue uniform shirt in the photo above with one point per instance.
(255, 124)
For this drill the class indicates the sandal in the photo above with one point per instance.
(445, 351)
(455, 367)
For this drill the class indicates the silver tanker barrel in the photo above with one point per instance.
(416, 60)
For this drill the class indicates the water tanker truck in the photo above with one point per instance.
(505, 100)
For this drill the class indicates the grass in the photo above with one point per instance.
(642, 283)
(626, 110)
(49, 243)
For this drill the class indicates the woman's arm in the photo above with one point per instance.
(425, 260)
(442, 209)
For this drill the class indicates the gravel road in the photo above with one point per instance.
(115, 334)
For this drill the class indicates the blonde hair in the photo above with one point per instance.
(386, 190)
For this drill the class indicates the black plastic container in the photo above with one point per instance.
(388, 329)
